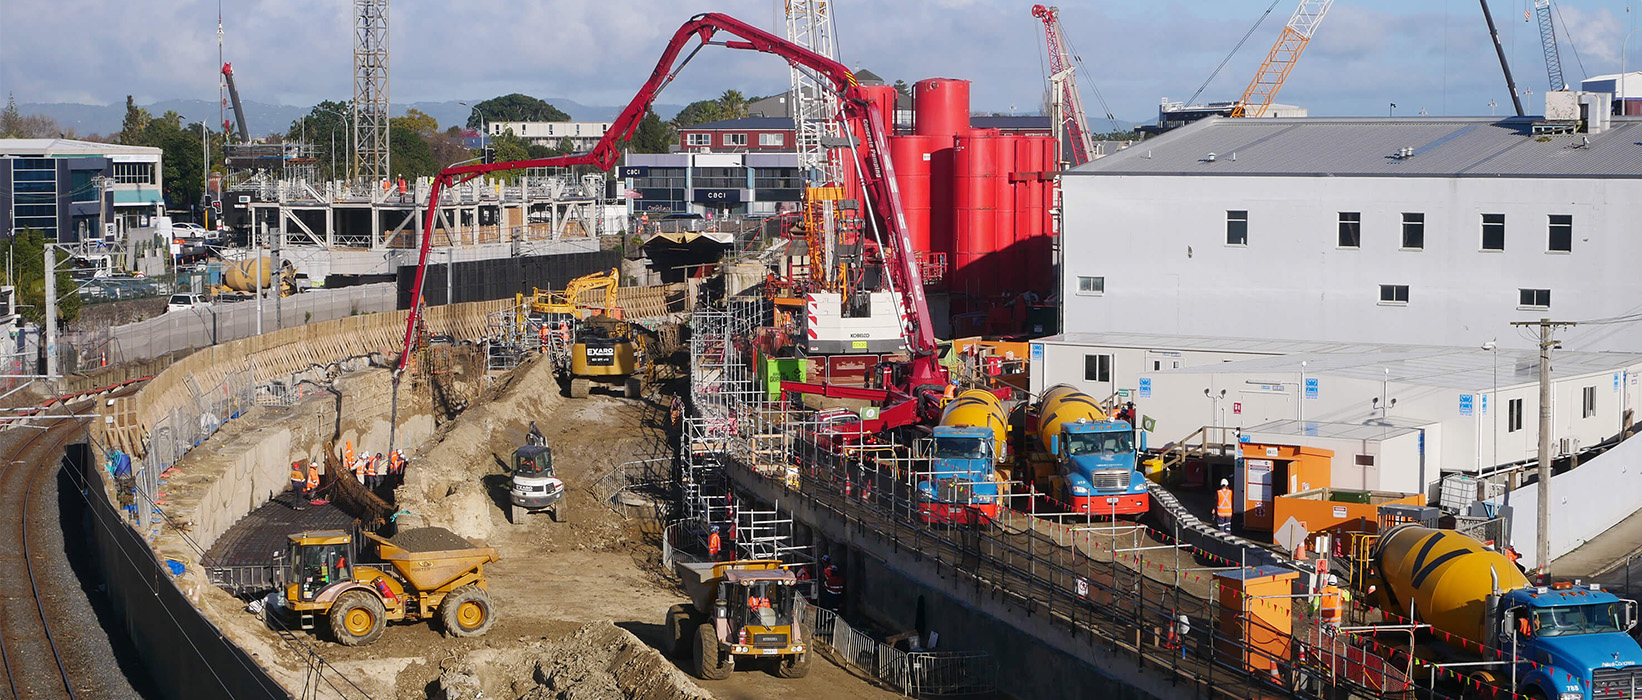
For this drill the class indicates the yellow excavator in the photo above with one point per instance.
(568, 302)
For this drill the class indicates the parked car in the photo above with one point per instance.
(186, 302)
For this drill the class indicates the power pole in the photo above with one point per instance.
(51, 315)
(1543, 499)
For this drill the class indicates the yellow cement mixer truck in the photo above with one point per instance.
(1570, 642)
(962, 486)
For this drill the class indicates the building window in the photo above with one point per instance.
(1237, 227)
(1394, 294)
(1413, 231)
(1493, 232)
(735, 139)
(772, 139)
(134, 173)
(1513, 415)
(1351, 229)
(1590, 401)
(1562, 234)
(1097, 368)
(698, 139)
(1533, 298)
(1091, 286)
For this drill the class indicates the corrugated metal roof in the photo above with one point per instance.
(768, 123)
(69, 147)
(1443, 147)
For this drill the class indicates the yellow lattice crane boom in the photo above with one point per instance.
(1262, 91)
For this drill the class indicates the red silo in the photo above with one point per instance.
(910, 155)
(883, 102)
(1005, 276)
(974, 195)
(940, 107)
(1029, 212)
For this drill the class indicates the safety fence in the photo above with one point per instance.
(1091, 577)
(183, 428)
(640, 488)
(918, 674)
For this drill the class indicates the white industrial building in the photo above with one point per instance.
(583, 135)
(1428, 409)
(1437, 231)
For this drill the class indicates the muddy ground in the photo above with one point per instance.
(579, 604)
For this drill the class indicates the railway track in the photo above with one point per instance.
(35, 665)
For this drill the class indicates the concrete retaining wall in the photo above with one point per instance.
(185, 654)
(1585, 502)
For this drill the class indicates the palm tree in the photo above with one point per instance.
(733, 104)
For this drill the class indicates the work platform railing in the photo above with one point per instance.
(1112, 587)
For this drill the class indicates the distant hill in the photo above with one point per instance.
(263, 118)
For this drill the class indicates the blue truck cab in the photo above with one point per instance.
(1573, 641)
(961, 485)
(1097, 463)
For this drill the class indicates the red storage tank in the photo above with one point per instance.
(911, 157)
(1005, 276)
(1029, 211)
(940, 107)
(883, 101)
(974, 194)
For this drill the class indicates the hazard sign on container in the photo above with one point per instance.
(1237, 407)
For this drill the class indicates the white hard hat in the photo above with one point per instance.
(1332, 579)
(1223, 483)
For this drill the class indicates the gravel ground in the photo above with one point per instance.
(429, 539)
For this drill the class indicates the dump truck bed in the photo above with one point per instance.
(701, 578)
(429, 569)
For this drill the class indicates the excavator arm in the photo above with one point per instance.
(877, 176)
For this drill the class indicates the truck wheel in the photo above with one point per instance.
(579, 387)
(678, 631)
(635, 388)
(710, 664)
(467, 612)
(357, 618)
(793, 665)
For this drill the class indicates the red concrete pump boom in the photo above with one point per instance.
(878, 177)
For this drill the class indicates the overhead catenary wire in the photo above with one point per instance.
(1228, 58)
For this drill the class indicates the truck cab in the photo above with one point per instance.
(1097, 466)
(1573, 641)
(534, 486)
(961, 487)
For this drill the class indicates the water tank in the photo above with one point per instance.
(974, 200)
(911, 157)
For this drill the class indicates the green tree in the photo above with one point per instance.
(11, 120)
(417, 121)
(652, 135)
(902, 87)
(326, 128)
(27, 251)
(509, 146)
(409, 154)
(732, 105)
(514, 108)
(135, 124)
(699, 112)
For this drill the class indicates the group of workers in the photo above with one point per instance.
(373, 469)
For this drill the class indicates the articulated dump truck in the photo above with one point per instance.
(740, 612)
(423, 574)
(1571, 642)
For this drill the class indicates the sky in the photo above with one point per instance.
(1430, 55)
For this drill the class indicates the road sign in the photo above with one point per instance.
(1291, 535)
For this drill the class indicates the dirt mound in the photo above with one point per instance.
(600, 661)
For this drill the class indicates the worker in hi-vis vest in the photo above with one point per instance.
(1223, 506)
